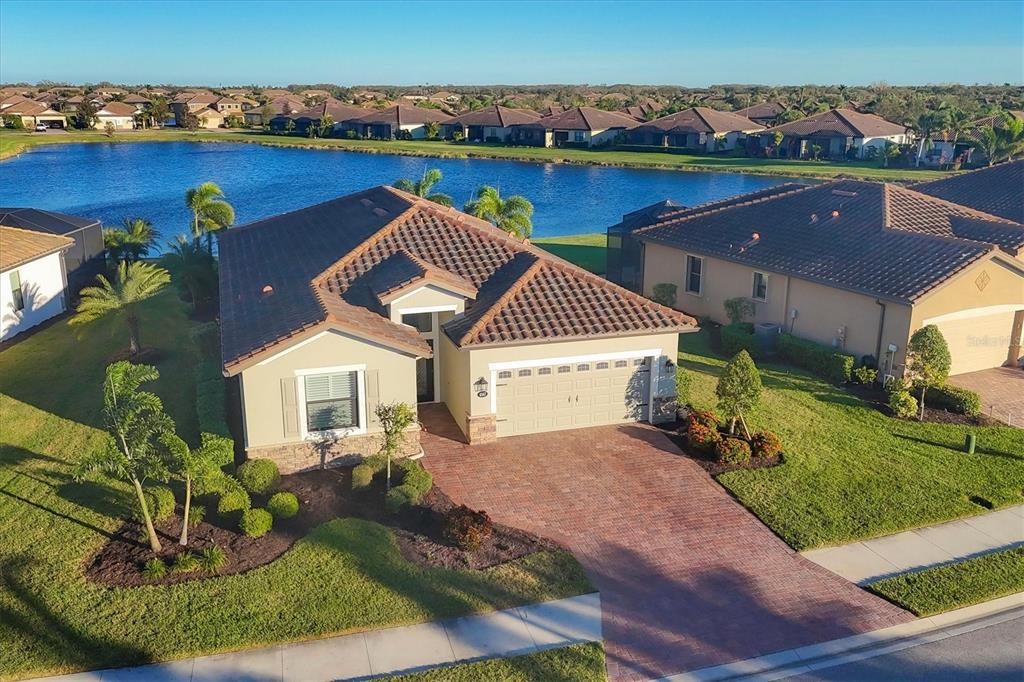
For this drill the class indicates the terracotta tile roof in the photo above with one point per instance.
(400, 114)
(329, 265)
(995, 190)
(702, 120)
(761, 110)
(497, 116)
(882, 240)
(841, 122)
(31, 108)
(18, 246)
(116, 109)
(585, 118)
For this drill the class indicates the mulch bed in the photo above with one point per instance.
(877, 398)
(323, 496)
(707, 460)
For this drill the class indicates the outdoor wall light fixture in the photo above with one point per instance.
(481, 387)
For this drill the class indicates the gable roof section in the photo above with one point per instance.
(995, 190)
(116, 109)
(871, 238)
(841, 122)
(497, 116)
(38, 220)
(400, 115)
(761, 110)
(701, 120)
(386, 239)
(18, 246)
(586, 118)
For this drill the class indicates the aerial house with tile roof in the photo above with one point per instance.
(836, 134)
(576, 127)
(381, 296)
(859, 266)
(697, 129)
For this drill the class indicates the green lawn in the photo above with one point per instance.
(346, 575)
(956, 585)
(850, 471)
(15, 142)
(576, 663)
(585, 250)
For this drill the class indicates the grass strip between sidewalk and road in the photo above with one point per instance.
(575, 663)
(954, 586)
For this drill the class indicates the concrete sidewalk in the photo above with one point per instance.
(869, 560)
(512, 632)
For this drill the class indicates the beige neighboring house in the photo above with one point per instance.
(32, 278)
(836, 133)
(228, 106)
(380, 296)
(33, 113)
(576, 127)
(282, 106)
(210, 118)
(395, 122)
(120, 114)
(191, 103)
(698, 129)
(859, 266)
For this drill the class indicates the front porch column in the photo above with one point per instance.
(481, 429)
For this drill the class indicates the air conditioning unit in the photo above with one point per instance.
(768, 333)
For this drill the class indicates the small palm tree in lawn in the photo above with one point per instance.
(130, 242)
(191, 267)
(132, 284)
(196, 465)
(423, 187)
(210, 211)
(513, 215)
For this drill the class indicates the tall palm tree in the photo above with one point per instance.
(133, 283)
(927, 124)
(423, 187)
(192, 268)
(131, 242)
(210, 211)
(513, 215)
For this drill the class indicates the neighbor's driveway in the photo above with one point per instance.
(688, 578)
(1001, 390)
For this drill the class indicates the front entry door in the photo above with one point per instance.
(426, 379)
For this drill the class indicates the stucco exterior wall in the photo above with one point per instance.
(263, 401)
(425, 297)
(42, 287)
(456, 385)
(1001, 283)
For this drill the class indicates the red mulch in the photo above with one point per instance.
(323, 496)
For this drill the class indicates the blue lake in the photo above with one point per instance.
(119, 180)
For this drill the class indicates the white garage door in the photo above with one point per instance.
(572, 395)
(977, 343)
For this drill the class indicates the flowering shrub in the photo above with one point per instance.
(765, 444)
(702, 437)
(732, 451)
(705, 418)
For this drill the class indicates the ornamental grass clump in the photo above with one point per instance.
(466, 528)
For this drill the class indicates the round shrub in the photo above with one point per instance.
(732, 451)
(465, 528)
(362, 476)
(765, 445)
(397, 497)
(160, 500)
(418, 480)
(703, 437)
(902, 404)
(233, 502)
(256, 522)
(258, 476)
(706, 418)
(377, 463)
(865, 375)
(283, 505)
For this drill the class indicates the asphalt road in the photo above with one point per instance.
(991, 654)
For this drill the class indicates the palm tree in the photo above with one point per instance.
(210, 212)
(192, 268)
(422, 187)
(1003, 141)
(511, 215)
(927, 124)
(133, 283)
(131, 242)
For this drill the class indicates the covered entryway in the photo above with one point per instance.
(567, 395)
(981, 338)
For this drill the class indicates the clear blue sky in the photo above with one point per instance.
(368, 42)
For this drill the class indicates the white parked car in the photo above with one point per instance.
(41, 127)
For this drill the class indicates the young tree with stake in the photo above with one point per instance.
(739, 389)
(196, 465)
(394, 419)
(928, 360)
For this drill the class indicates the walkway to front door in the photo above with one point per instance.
(688, 578)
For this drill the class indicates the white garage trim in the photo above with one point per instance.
(494, 367)
(974, 312)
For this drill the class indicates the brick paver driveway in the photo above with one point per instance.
(1001, 390)
(688, 577)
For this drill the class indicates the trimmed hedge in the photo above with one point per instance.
(283, 505)
(740, 336)
(258, 476)
(232, 502)
(256, 522)
(826, 362)
(954, 399)
(210, 398)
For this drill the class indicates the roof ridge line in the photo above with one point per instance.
(714, 208)
(364, 246)
(981, 215)
(493, 309)
(847, 121)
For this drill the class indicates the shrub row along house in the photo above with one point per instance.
(857, 266)
(381, 296)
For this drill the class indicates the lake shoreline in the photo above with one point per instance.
(445, 150)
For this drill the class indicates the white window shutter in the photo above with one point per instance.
(290, 407)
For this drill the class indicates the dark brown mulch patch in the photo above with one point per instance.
(707, 460)
(323, 496)
(147, 355)
(877, 398)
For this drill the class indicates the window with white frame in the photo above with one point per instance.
(694, 275)
(332, 401)
(760, 288)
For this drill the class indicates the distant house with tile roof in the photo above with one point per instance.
(381, 296)
(765, 113)
(855, 265)
(32, 113)
(394, 122)
(698, 129)
(837, 134)
(121, 115)
(576, 127)
(488, 124)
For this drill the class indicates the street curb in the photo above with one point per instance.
(790, 662)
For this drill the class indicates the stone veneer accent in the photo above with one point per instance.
(482, 428)
(305, 456)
